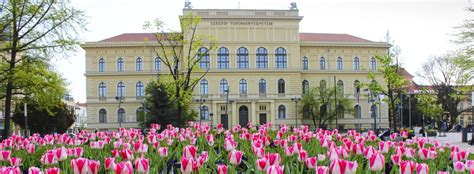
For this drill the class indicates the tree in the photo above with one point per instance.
(465, 34)
(318, 104)
(451, 79)
(180, 52)
(35, 28)
(42, 121)
(429, 107)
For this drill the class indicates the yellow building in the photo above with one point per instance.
(262, 58)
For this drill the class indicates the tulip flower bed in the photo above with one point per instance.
(198, 149)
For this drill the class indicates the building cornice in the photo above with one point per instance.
(346, 44)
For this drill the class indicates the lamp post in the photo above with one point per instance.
(296, 100)
(212, 119)
(371, 99)
(201, 101)
(120, 117)
(144, 114)
(26, 120)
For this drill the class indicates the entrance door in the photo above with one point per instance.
(263, 119)
(225, 121)
(243, 116)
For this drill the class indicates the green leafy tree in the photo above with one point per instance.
(37, 28)
(427, 104)
(180, 53)
(318, 105)
(59, 119)
(465, 34)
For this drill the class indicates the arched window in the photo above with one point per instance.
(224, 86)
(139, 64)
(242, 58)
(356, 63)
(322, 63)
(243, 86)
(281, 112)
(121, 115)
(305, 86)
(101, 65)
(102, 90)
(205, 61)
(373, 64)
(339, 63)
(223, 58)
(120, 89)
(262, 86)
(305, 63)
(357, 89)
(262, 58)
(140, 89)
(280, 56)
(204, 113)
(322, 85)
(157, 64)
(373, 110)
(140, 114)
(281, 86)
(357, 111)
(120, 64)
(204, 87)
(102, 116)
(340, 87)
(340, 111)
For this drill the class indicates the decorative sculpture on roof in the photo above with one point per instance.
(293, 6)
(187, 4)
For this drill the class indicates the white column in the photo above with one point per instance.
(216, 118)
(253, 115)
(234, 115)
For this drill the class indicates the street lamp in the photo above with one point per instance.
(120, 117)
(371, 99)
(212, 119)
(296, 100)
(201, 101)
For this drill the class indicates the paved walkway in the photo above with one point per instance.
(454, 138)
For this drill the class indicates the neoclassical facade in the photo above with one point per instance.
(263, 60)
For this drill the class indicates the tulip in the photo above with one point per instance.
(351, 167)
(30, 148)
(275, 169)
(259, 151)
(384, 147)
(470, 165)
(61, 154)
(338, 166)
(423, 153)
(407, 167)
(302, 155)
(442, 172)
(34, 170)
(262, 164)
(10, 170)
(458, 166)
(409, 152)
(53, 170)
(93, 166)
(115, 153)
(377, 162)
(109, 163)
(48, 158)
(321, 157)
(229, 144)
(163, 151)
(311, 162)
(369, 152)
(273, 159)
(221, 169)
(79, 165)
(235, 157)
(141, 165)
(288, 150)
(210, 139)
(5, 155)
(186, 165)
(16, 162)
(422, 168)
(124, 168)
(396, 159)
(190, 151)
(127, 154)
(322, 170)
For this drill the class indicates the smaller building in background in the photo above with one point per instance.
(81, 117)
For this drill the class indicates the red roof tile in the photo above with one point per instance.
(330, 37)
(317, 37)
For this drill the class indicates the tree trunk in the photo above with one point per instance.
(8, 95)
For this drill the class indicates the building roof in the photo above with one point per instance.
(314, 37)
(330, 37)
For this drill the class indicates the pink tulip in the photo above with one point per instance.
(127, 154)
(235, 157)
(187, 165)
(79, 165)
(5, 155)
(229, 144)
(409, 152)
(30, 148)
(322, 170)
(384, 147)
(369, 152)
(302, 155)
(53, 170)
(190, 151)
(395, 159)
(274, 169)
(377, 162)
(470, 165)
(351, 167)
(422, 168)
(210, 139)
(48, 158)
(258, 151)
(34, 170)
(109, 163)
(358, 149)
(288, 150)
(321, 157)
(262, 164)
(141, 165)
(61, 154)
(10, 170)
(333, 154)
(163, 151)
(16, 162)
(338, 166)
(423, 153)
(115, 153)
(273, 159)
(312, 162)
(221, 169)
(407, 167)
(458, 166)
(93, 166)
(124, 167)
